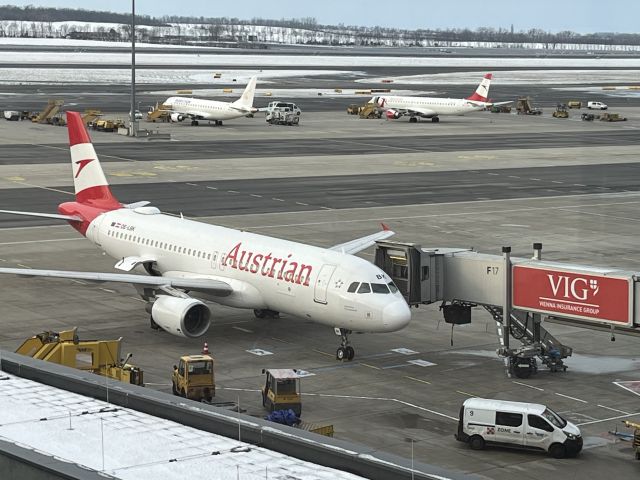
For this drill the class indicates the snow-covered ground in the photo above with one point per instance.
(68, 42)
(518, 77)
(128, 444)
(333, 61)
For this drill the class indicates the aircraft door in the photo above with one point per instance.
(214, 261)
(93, 232)
(322, 283)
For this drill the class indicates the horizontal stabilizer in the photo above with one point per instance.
(214, 287)
(69, 218)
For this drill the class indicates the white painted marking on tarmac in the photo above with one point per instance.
(404, 351)
(232, 191)
(494, 174)
(571, 398)
(108, 290)
(620, 384)
(513, 176)
(192, 184)
(579, 185)
(42, 241)
(302, 203)
(608, 419)
(535, 179)
(23, 266)
(356, 397)
(44, 188)
(212, 188)
(246, 330)
(326, 208)
(259, 352)
(421, 363)
(79, 282)
(255, 195)
(556, 181)
(529, 386)
(614, 409)
(277, 199)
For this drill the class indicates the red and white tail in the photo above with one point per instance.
(90, 184)
(482, 92)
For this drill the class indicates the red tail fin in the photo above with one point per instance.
(482, 92)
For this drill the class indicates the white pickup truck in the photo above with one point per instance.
(596, 106)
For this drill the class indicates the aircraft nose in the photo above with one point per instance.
(396, 315)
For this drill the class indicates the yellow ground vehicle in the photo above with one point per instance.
(561, 111)
(194, 378)
(97, 356)
(574, 104)
(52, 108)
(353, 109)
(612, 117)
(636, 436)
(281, 390)
(525, 107)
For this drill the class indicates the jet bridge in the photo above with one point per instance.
(518, 293)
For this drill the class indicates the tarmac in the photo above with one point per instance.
(482, 181)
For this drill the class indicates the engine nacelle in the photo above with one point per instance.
(177, 117)
(183, 317)
(393, 115)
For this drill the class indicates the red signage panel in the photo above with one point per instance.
(572, 294)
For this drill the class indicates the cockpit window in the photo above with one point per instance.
(364, 288)
(379, 288)
(353, 287)
(392, 287)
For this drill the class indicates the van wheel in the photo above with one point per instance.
(174, 390)
(557, 450)
(476, 442)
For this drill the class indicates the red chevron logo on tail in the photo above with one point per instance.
(83, 163)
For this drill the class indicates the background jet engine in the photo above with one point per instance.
(177, 117)
(393, 115)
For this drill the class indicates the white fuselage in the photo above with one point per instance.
(264, 272)
(432, 106)
(204, 109)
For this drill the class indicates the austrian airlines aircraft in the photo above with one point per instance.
(231, 267)
(433, 107)
(211, 110)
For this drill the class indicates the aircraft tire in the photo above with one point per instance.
(435, 119)
(413, 120)
(341, 353)
(260, 313)
(350, 353)
(153, 324)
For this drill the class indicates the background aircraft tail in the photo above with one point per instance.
(245, 102)
(91, 186)
(482, 92)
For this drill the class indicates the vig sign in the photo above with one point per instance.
(571, 294)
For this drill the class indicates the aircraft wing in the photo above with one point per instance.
(359, 244)
(215, 287)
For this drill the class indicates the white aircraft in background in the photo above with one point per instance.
(211, 110)
(432, 107)
(188, 261)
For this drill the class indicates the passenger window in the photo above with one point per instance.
(364, 288)
(353, 287)
(539, 422)
(509, 419)
(379, 288)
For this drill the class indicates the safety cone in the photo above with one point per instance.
(205, 349)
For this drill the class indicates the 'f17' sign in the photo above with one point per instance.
(571, 294)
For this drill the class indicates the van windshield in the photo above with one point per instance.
(554, 418)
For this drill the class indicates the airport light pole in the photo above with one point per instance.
(133, 122)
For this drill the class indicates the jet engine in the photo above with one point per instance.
(177, 117)
(183, 317)
(393, 115)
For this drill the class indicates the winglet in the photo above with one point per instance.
(385, 227)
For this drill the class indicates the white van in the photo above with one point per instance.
(529, 425)
(279, 105)
(596, 106)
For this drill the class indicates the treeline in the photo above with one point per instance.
(340, 33)
(46, 14)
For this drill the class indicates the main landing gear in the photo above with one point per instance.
(345, 351)
(435, 119)
(266, 314)
(413, 119)
(194, 123)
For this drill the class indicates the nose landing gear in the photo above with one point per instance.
(345, 351)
